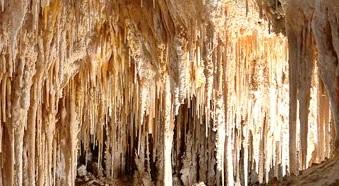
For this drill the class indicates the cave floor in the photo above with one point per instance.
(92, 181)
(323, 174)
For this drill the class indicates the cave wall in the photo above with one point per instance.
(172, 92)
(313, 37)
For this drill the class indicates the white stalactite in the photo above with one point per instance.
(168, 133)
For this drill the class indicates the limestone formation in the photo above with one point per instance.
(167, 92)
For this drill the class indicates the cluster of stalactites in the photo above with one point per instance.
(214, 105)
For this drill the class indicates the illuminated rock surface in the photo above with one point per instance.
(168, 92)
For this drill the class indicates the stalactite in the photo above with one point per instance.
(168, 133)
(3, 5)
(180, 47)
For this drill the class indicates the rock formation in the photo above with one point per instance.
(167, 92)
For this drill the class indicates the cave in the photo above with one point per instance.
(169, 92)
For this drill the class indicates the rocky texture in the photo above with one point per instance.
(311, 32)
(319, 174)
(168, 92)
